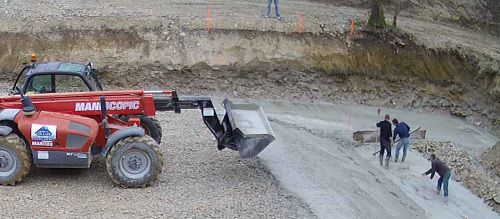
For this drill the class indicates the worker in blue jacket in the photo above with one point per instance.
(403, 131)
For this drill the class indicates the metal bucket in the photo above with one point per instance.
(250, 128)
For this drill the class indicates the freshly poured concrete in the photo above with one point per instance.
(314, 157)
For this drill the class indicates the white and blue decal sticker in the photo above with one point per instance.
(43, 135)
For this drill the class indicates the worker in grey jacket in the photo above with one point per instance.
(444, 173)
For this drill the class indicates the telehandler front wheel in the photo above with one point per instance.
(134, 162)
(15, 162)
(150, 125)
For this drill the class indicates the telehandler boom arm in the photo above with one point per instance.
(244, 127)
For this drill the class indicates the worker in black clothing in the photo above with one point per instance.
(385, 140)
(444, 173)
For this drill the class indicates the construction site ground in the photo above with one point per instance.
(313, 170)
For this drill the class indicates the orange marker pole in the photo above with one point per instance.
(209, 20)
(352, 26)
(300, 23)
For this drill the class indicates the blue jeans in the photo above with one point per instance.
(444, 180)
(403, 143)
(276, 7)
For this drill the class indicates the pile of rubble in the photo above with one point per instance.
(491, 159)
(481, 183)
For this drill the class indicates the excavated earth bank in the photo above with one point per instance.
(374, 69)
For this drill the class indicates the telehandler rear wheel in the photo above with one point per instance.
(135, 162)
(15, 162)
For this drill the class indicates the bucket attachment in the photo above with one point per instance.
(244, 128)
(249, 128)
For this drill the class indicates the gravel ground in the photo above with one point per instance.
(197, 182)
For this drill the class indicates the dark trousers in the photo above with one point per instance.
(385, 145)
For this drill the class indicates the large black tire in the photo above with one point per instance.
(15, 161)
(134, 162)
(150, 125)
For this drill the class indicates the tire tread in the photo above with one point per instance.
(142, 139)
(19, 147)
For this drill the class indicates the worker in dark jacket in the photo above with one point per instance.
(385, 140)
(443, 171)
(403, 130)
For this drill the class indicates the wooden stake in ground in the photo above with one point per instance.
(352, 26)
(209, 20)
(300, 23)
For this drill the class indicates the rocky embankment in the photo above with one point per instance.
(491, 159)
(387, 70)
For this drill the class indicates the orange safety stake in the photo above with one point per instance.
(300, 23)
(349, 122)
(209, 20)
(352, 26)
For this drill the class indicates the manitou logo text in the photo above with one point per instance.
(118, 105)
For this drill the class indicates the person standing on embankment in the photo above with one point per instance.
(276, 8)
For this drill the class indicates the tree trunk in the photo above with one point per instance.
(377, 18)
(396, 12)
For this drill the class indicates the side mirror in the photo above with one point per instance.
(28, 107)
